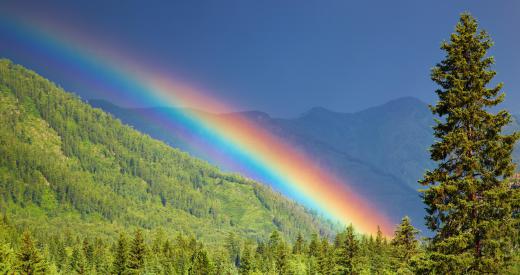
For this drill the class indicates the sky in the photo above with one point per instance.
(280, 57)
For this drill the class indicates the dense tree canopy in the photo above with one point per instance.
(66, 165)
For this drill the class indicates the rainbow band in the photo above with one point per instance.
(233, 140)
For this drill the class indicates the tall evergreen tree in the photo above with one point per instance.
(233, 247)
(88, 251)
(282, 253)
(380, 240)
(7, 259)
(379, 261)
(325, 258)
(299, 245)
(346, 252)
(137, 255)
(120, 265)
(78, 263)
(30, 260)
(404, 244)
(314, 246)
(468, 201)
(246, 263)
(405, 239)
(200, 263)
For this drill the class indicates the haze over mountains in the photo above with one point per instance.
(66, 166)
(382, 151)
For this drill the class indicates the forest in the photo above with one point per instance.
(82, 193)
(156, 253)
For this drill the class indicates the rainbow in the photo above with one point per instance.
(234, 140)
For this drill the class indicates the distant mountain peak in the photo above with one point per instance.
(256, 115)
(399, 106)
(406, 100)
(317, 111)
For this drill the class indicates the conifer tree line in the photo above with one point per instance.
(154, 252)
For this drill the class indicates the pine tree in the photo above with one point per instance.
(314, 246)
(30, 260)
(7, 259)
(233, 247)
(282, 253)
(137, 255)
(379, 260)
(246, 263)
(404, 245)
(380, 241)
(78, 262)
(325, 259)
(120, 265)
(88, 251)
(100, 258)
(200, 263)
(468, 201)
(299, 245)
(346, 252)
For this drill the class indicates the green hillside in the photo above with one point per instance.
(66, 165)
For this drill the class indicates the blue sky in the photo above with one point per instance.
(284, 57)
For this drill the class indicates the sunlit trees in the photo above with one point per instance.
(346, 250)
(404, 245)
(137, 253)
(469, 205)
(7, 259)
(121, 259)
(30, 260)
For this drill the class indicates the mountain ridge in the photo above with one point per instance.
(70, 166)
(381, 151)
(318, 133)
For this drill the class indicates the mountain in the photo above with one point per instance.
(68, 166)
(353, 146)
(393, 137)
(381, 152)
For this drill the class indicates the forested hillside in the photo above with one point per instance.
(381, 152)
(68, 166)
(81, 193)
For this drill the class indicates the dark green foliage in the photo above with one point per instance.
(200, 263)
(379, 247)
(325, 258)
(299, 245)
(469, 204)
(78, 263)
(405, 245)
(121, 258)
(347, 246)
(164, 254)
(233, 247)
(30, 260)
(88, 251)
(246, 262)
(314, 246)
(137, 255)
(7, 259)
